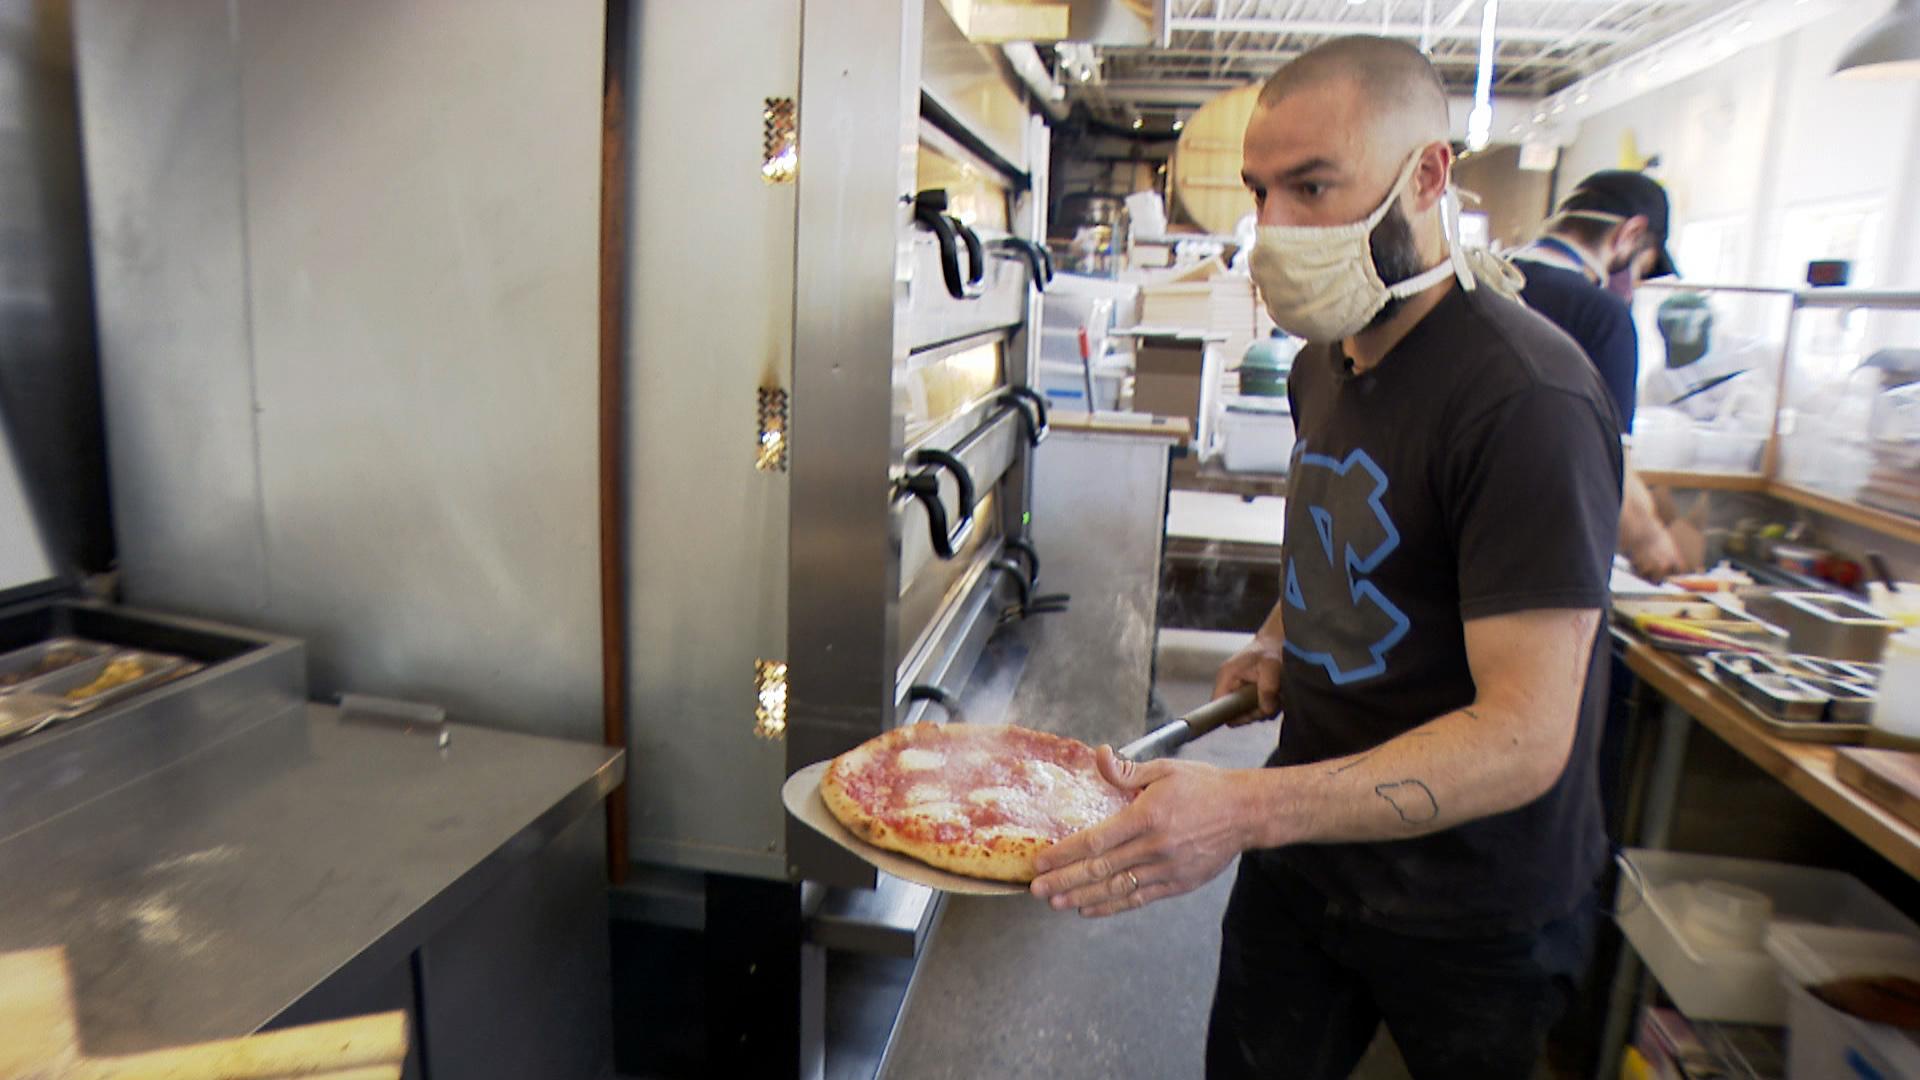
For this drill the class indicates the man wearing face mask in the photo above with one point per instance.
(1421, 847)
(1608, 236)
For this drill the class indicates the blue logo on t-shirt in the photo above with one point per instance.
(1337, 618)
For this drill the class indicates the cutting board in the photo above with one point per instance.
(40, 1040)
(1888, 777)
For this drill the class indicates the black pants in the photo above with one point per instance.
(1301, 991)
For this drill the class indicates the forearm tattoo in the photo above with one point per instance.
(1411, 799)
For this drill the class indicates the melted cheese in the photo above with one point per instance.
(987, 796)
(927, 793)
(916, 759)
(1010, 832)
(1045, 775)
(939, 813)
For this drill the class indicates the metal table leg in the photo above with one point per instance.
(1655, 791)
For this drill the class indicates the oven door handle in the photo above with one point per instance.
(930, 210)
(1033, 412)
(976, 253)
(1022, 585)
(925, 486)
(1039, 263)
(1023, 547)
(938, 695)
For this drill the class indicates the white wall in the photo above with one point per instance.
(1768, 139)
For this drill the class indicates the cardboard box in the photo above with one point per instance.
(1168, 377)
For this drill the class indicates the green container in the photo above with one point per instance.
(1263, 371)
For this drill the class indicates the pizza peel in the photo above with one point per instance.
(801, 794)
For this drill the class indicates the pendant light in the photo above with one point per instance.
(1889, 49)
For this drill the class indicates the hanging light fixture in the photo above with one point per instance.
(1889, 49)
(1480, 120)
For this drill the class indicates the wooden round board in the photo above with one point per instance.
(801, 794)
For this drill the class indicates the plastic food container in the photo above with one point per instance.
(1722, 915)
(1897, 711)
(1824, 1043)
(1727, 451)
(1706, 979)
(1257, 435)
(24, 665)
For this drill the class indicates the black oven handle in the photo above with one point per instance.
(930, 210)
(1033, 412)
(925, 486)
(1024, 548)
(1018, 573)
(976, 252)
(1039, 262)
(939, 695)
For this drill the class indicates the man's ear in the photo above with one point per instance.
(1431, 176)
(1631, 236)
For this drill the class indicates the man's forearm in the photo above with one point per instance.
(1468, 764)
(1274, 629)
(1639, 518)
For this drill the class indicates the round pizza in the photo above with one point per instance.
(976, 799)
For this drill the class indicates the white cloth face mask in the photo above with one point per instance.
(1320, 283)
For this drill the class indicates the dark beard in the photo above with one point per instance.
(1395, 256)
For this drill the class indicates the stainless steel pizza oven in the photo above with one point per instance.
(834, 265)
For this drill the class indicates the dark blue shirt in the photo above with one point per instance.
(1599, 321)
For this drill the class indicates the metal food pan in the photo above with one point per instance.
(88, 685)
(24, 714)
(1782, 697)
(1847, 702)
(1734, 666)
(24, 665)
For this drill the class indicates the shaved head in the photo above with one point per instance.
(1398, 93)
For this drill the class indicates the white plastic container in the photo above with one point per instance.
(1256, 435)
(1824, 1043)
(1706, 979)
(1896, 710)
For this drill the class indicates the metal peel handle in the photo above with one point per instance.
(1171, 736)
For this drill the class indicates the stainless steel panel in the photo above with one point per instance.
(712, 307)
(934, 316)
(348, 263)
(160, 111)
(987, 458)
(520, 984)
(859, 111)
(890, 919)
(49, 374)
(199, 901)
(928, 601)
(969, 83)
(945, 653)
(1099, 520)
(26, 562)
(423, 284)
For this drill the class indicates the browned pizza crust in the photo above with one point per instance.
(998, 858)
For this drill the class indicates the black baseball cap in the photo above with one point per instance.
(1627, 193)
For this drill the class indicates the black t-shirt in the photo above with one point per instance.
(1599, 321)
(1475, 471)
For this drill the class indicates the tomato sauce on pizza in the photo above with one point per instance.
(975, 799)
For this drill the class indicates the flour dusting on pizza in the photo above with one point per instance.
(975, 799)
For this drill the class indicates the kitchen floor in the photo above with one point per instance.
(1014, 989)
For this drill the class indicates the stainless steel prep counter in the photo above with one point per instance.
(306, 867)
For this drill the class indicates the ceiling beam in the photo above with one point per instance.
(1136, 60)
(1397, 30)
